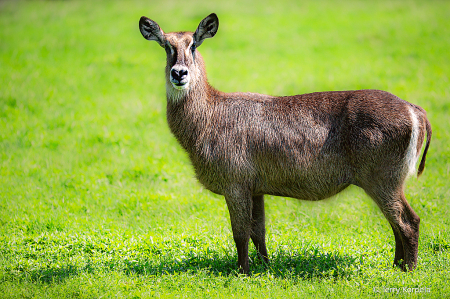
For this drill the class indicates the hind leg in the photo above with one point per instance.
(399, 251)
(404, 222)
(409, 233)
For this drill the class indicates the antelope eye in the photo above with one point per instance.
(193, 47)
(168, 49)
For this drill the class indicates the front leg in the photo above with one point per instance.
(258, 232)
(240, 209)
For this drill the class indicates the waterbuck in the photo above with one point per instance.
(309, 146)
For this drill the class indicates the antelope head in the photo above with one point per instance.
(184, 64)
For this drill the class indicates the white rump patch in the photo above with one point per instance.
(411, 153)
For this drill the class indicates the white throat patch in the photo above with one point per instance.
(175, 94)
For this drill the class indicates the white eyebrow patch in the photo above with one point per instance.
(188, 49)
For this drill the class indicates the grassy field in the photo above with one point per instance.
(98, 200)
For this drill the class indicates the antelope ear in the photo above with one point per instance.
(150, 30)
(207, 28)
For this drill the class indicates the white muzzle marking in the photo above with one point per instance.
(180, 77)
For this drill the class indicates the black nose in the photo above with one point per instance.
(179, 75)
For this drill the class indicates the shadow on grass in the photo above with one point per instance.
(301, 265)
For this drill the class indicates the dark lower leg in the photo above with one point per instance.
(404, 222)
(399, 252)
(409, 233)
(242, 250)
(258, 232)
(240, 209)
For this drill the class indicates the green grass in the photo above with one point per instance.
(98, 200)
